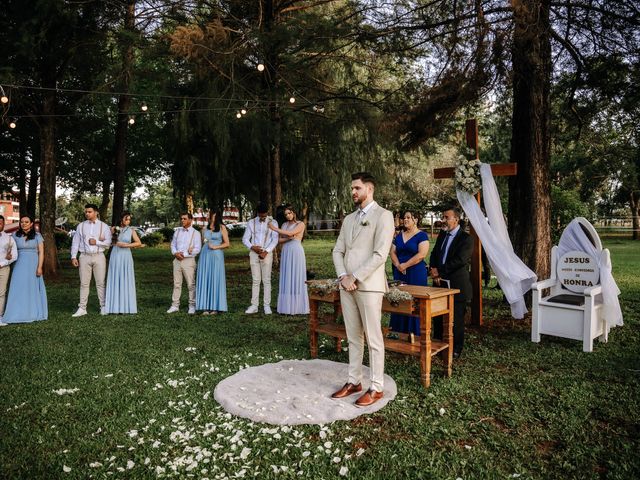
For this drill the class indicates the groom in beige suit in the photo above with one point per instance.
(359, 256)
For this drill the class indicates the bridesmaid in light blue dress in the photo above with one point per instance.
(293, 298)
(121, 279)
(27, 300)
(211, 282)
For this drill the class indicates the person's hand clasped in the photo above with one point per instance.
(179, 256)
(122, 244)
(92, 241)
(263, 254)
(74, 262)
(39, 272)
(348, 282)
(211, 246)
(402, 268)
(9, 256)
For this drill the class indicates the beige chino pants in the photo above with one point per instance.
(92, 264)
(4, 282)
(260, 272)
(185, 268)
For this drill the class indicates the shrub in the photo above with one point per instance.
(237, 232)
(63, 240)
(167, 233)
(152, 239)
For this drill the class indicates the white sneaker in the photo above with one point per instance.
(251, 309)
(173, 309)
(267, 310)
(191, 311)
(80, 312)
(103, 311)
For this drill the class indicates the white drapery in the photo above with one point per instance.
(574, 238)
(514, 276)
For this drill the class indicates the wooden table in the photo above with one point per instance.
(428, 302)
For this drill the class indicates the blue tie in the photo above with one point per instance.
(444, 248)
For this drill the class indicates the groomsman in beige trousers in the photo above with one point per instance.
(92, 239)
(8, 255)
(185, 246)
(359, 257)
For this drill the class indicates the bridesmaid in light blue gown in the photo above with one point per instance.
(27, 300)
(121, 279)
(211, 282)
(293, 298)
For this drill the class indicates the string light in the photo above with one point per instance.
(292, 100)
(132, 120)
(243, 111)
(144, 107)
(12, 124)
(4, 99)
(260, 67)
(238, 115)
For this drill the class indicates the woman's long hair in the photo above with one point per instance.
(217, 221)
(32, 233)
(293, 210)
(122, 216)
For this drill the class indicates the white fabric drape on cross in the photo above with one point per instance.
(574, 238)
(514, 276)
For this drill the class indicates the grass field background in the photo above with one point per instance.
(144, 406)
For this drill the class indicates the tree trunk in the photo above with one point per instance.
(33, 185)
(48, 184)
(276, 175)
(22, 186)
(634, 203)
(103, 208)
(124, 103)
(529, 192)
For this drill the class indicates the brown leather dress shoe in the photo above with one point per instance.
(369, 398)
(347, 389)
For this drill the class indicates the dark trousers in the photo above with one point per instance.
(459, 309)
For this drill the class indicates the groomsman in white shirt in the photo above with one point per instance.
(261, 241)
(92, 239)
(185, 246)
(8, 255)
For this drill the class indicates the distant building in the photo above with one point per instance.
(9, 207)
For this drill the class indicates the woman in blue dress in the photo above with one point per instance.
(408, 251)
(293, 298)
(121, 278)
(211, 282)
(27, 300)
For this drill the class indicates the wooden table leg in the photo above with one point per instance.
(313, 327)
(425, 342)
(447, 337)
(336, 312)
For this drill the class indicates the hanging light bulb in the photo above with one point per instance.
(238, 115)
(260, 67)
(12, 124)
(292, 100)
(4, 99)
(132, 120)
(144, 107)
(243, 111)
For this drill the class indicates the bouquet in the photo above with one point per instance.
(467, 177)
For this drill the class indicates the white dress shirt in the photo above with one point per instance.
(86, 231)
(7, 244)
(185, 239)
(258, 233)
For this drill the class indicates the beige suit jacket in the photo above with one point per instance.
(362, 250)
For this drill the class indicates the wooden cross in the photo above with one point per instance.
(498, 170)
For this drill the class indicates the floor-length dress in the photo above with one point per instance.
(211, 282)
(293, 298)
(27, 300)
(416, 275)
(121, 279)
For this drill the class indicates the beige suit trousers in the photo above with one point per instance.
(260, 272)
(96, 264)
(362, 313)
(4, 281)
(185, 268)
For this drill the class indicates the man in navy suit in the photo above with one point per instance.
(450, 260)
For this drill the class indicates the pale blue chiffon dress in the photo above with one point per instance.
(27, 300)
(211, 283)
(121, 279)
(292, 297)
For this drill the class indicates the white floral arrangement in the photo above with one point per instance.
(467, 175)
(323, 287)
(364, 223)
(394, 296)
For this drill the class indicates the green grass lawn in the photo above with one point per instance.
(144, 406)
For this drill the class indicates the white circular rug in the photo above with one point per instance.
(294, 392)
